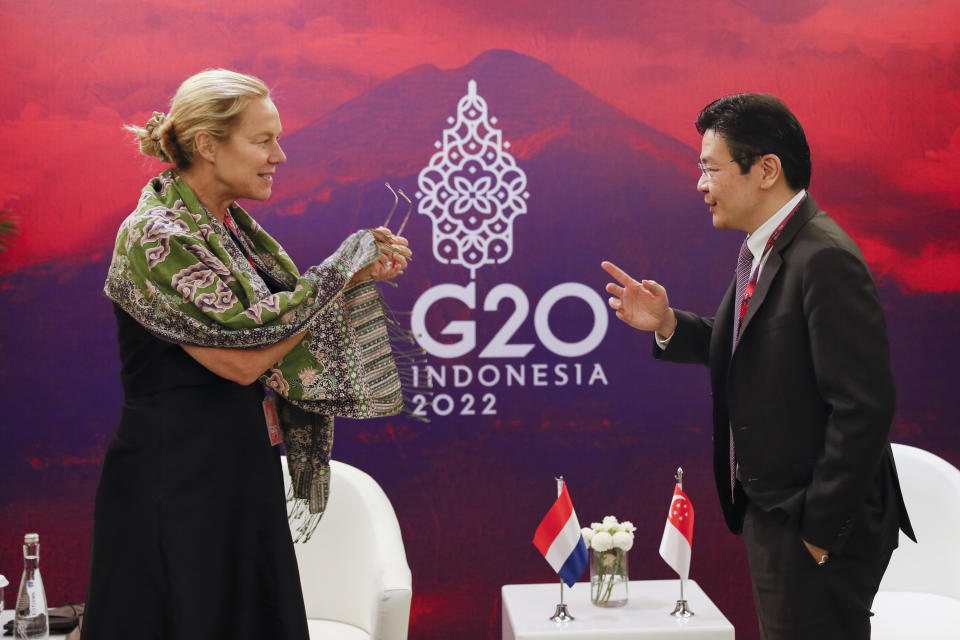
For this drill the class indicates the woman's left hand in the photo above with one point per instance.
(394, 255)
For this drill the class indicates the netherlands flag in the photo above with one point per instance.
(559, 540)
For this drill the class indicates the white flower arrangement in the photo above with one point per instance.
(609, 534)
(608, 542)
(602, 541)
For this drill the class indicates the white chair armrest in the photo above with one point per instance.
(391, 609)
(396, 578)
(391, 619)
(370, 592)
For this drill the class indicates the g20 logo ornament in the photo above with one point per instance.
(472, 189)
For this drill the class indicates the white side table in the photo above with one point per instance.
(527, 608)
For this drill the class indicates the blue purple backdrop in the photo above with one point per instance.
(596, 101)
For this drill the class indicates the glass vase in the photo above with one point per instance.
(608, 578)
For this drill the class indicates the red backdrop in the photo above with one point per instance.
(597, 100)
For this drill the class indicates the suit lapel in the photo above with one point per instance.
(767, 274)
(722, 338)
(775, 260)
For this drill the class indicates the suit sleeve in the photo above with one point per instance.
(690, 342)
(851, 362)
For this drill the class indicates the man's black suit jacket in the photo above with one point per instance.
(808, 390)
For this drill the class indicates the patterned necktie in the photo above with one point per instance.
(744, 262)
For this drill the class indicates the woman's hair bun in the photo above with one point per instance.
(153, 124)
(151, 136)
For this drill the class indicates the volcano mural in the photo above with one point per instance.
(523, 376)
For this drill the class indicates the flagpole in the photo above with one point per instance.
(679, 477)
(681, 610)
(561, 614)
(559, 491)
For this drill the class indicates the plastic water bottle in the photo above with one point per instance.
(30, 620)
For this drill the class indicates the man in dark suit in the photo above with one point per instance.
(800, 377)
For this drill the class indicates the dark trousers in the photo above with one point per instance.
(796, 598)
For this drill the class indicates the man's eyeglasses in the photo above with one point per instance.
(707, 172)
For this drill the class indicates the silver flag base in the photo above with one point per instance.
(682, 610)
(561, 614)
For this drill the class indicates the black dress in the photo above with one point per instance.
(190, 534)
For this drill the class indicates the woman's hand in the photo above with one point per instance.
(394, 254)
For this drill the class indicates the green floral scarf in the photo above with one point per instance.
(179, 272)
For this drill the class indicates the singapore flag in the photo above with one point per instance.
(677, 543)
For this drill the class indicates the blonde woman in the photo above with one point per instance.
(227, 349)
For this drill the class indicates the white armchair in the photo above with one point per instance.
(919, 596)
(354, 573)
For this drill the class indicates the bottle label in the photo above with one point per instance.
(34, 600)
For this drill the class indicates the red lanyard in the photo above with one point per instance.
(232, 226)
(752, 285)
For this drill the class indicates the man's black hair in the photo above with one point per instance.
(755, 124)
